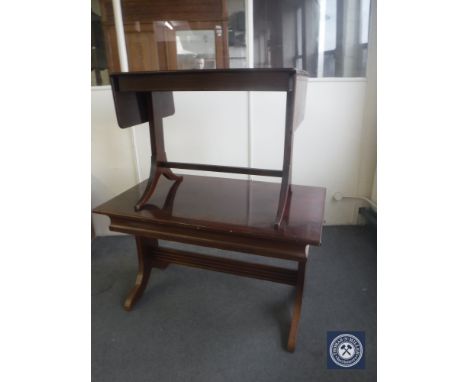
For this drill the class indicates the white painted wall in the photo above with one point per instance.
(113, 168)
(368, 165)
(327, 146)
(208, 128)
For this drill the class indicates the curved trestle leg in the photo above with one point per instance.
(155, 174)
(297, 307)
(284, 205)
(150, 186)
(144, 248)
(168, 174)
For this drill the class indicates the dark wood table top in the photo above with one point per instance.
(258, 79)
(229, 206)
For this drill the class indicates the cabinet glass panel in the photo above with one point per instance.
(176, 35)
(195, 49)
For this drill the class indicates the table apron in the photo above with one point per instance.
(263, 247)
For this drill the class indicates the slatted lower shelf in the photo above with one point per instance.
(220, 264)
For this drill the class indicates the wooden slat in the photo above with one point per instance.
(206, 80)
(220, 264)
(227, 169)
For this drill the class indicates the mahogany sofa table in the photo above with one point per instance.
(229, 214)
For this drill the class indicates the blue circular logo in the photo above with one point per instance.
(346, 350)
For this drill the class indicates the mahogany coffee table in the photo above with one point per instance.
(229, 214)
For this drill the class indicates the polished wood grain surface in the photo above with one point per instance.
(224, 205)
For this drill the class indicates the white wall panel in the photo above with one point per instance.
(112, 164)
(207, 127)
(268, 112)
(327, 145)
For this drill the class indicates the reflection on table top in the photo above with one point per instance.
(224, 205)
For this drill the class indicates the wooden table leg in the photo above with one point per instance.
(145, 247)
(150, 185)
(297, 307)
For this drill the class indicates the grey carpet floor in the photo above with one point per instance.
(197, 325)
